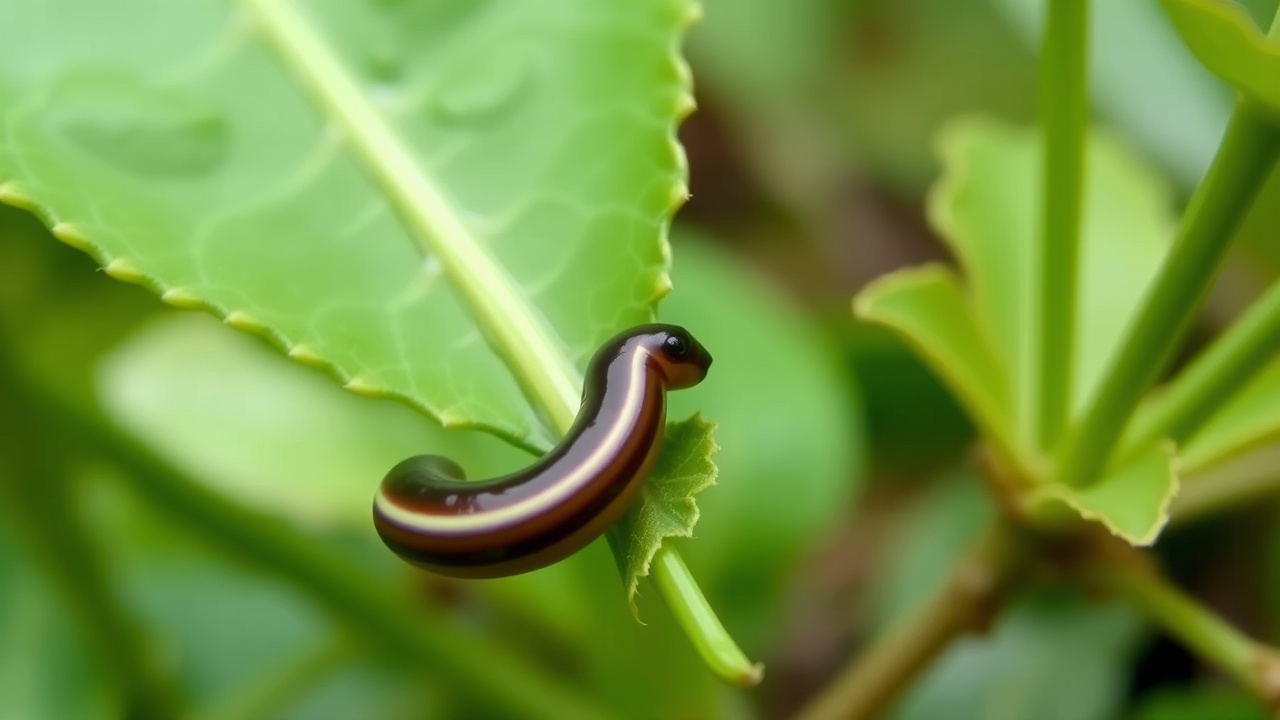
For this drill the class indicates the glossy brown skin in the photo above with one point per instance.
(593, 474)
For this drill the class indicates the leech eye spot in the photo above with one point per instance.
(675, 346)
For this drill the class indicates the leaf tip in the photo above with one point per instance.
(363, 386)
(11, 193)
(245, 322)
(125, 271)
(72, 235)
(183, 298)
(308, 356)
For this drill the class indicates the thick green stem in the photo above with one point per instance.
(1064, 119)
(358, 600)
(978, 585)
(1244, 160)
(1213, 379)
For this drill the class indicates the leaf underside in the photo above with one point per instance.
(667, 508)
(172, 144)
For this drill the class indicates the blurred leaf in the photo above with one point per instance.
(1132, 501)
(169, 143)
(1230, 44)
(1144, 80)
(912, 65)
(225, 630)
(262, 429)
(986, 207)
(1249, 420)
(1199, 703)
(789, 425)
(927, 306)
(683, 469)
(46, 671)
(769, 64)
(914, 426)
(927, 544)
(1051, 657)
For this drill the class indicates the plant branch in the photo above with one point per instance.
(348, 593)
(1213, 379)
(1248, 152)
(1064, 119)
(977, 586)
(1252, 664)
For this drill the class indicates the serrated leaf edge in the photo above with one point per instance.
(632, 588)
(1053, 492)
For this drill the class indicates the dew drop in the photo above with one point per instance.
(144, 129)
(482, 88)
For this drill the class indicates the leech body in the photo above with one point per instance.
(431, 516)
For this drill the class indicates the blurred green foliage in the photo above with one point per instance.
(828, 110)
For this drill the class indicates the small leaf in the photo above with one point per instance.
(1232, 46)
(927, 306)
(987, 206)
(1132, 501)
(1249, 420)
(666, 508)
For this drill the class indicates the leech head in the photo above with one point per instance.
(682, 360)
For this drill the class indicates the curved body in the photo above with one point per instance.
(431, 516)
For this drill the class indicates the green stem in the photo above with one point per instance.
(1243, 162)
(1179, 615)
(977, 586)
(1213, 379)
(378, 613)
(718, 650)
(514, 328)
(1064, 118)
(35, 497)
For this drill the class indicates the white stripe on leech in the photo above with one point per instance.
(542, 502)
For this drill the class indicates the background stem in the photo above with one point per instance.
(1064, 121)
(1244, 160)
(1213, 379)
(973, 593)
(1179, 615)
(377, 613)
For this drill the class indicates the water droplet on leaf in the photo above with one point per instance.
(145, 129)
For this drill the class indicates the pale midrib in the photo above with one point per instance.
(524, 342)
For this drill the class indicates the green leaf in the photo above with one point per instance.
(1249, 420)
(1132, 501)
(1232, 46)
(1051, 657)
(927, 306)
(411, 200)
(257, 429)
(986, 206)
(667, 509)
